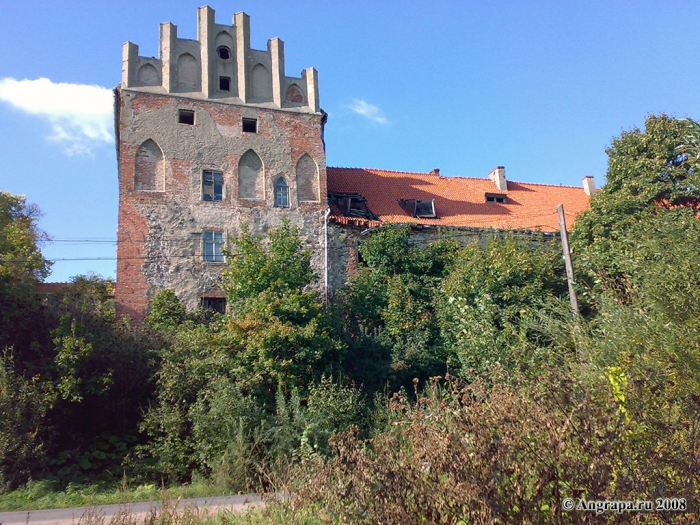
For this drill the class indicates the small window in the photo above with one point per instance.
(212, 185)
(217, 304)
(213, 249)
(281, 193)
(424, 209)
(250, 125)
(185, 116)
(223, 52)
(500, 199)
(224, 84)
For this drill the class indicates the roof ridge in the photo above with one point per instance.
(379, 169)
(548, 185)
(456, 177)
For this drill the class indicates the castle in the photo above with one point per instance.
(214, 134)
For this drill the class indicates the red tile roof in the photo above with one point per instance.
(53, 287)
(459, 201)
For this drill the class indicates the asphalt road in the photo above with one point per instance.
(140, 510)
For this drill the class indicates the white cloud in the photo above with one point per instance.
(80, 115)
(370, 111)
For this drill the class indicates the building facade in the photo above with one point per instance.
(212, 135)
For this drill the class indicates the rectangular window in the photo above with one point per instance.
(212, 185)
(424, 209)
(224, 84)
(281, 193)
(218, 304)
(500, 199)
(185, 116)
(250, 125)
(213, 249)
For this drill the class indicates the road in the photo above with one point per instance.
(138, 510)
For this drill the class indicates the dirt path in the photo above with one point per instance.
(138, 510)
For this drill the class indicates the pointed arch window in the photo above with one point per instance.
(281, 193)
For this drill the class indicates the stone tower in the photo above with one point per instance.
(211, 135)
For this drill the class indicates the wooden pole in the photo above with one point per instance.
(567, 259)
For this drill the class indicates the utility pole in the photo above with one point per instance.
(567, 259)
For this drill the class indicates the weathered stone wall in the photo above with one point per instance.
(342, 255)
(160, 237)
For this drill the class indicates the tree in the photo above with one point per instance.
(219, 384)
(22, 265)
(388, 309)
(650, 173)
(491, 298)
(280, 268)
(20, 237)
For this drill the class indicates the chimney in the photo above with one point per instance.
(498, 176)
(589, 185)
(435, 171)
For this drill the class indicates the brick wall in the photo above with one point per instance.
(160, 232)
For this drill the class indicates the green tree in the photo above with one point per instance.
(23, 408)
(638, 249)
(650, 171)
(220, 384)
(491, 298)
(388, 309)
(20, 237)
(166, 310)
(22, 265)
(280, 268)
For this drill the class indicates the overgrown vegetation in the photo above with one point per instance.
(527, 405)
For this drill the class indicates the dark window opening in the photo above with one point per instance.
(281, 193)
(351, 205)
(212, 185)
(223, 52)
(186, 116)
(224, 84)
(335, 198)
(250, 125)
(500, 199)
(217, 304)
(424, 209)
(357, 206)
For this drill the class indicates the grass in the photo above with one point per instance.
(168, 510)
(37, 495)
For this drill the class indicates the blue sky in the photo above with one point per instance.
(540, 87)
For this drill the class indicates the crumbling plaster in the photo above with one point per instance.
(170, 255)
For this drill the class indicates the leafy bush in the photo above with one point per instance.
(491, 299)
(23, 406)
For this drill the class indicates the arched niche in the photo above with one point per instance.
(224, 40)
(261, 83)
(294, 94)
(307, 179)
(148, 76)
(226, 63)
(149, 168)
(251, 180)
(188, 77)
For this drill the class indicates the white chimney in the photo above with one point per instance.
(589, 185)
(498, 176)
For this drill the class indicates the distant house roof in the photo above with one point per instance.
(390, 196)
(50, 288)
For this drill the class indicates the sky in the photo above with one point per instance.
(540, 87)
